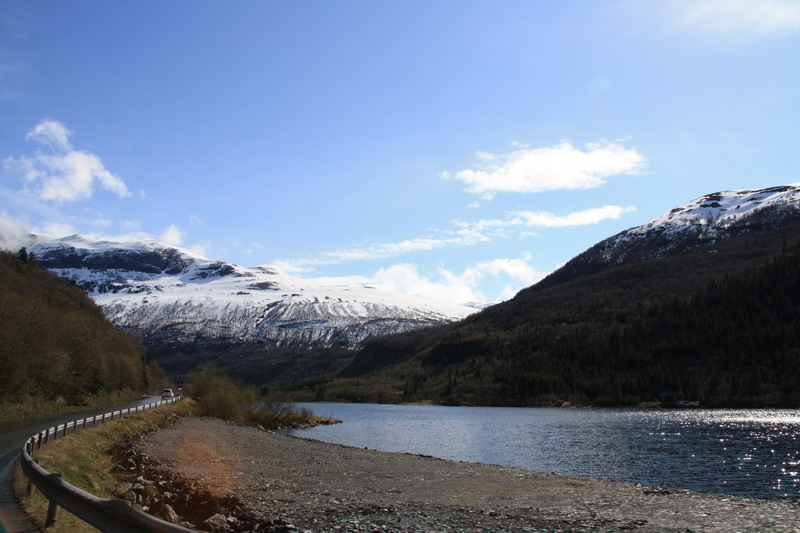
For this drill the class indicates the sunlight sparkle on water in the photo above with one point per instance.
(745, 452)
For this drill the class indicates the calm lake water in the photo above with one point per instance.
(753, 453)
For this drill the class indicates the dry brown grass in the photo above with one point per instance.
(85, 460)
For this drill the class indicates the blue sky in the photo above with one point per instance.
(455, 149)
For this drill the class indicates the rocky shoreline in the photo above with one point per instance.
(213, 475)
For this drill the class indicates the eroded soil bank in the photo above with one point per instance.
(287, 483)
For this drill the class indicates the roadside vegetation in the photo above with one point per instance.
(86, 460)
(89, 458)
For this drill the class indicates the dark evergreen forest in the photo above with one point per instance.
(733, 343)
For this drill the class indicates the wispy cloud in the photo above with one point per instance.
(55, 230)
(761, 18)
(51, 133)
(464, 233)
(14, 234)
(367, 252)
(199, 249)
(172, 235)
(63, 174)
(559, 167)
(489, 229)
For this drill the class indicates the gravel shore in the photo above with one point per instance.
(308, 485)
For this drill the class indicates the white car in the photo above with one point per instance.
(167, 394)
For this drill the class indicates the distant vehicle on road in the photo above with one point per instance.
(167, 394)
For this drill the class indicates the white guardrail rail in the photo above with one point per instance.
(113, 516)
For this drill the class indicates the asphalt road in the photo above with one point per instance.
(13, 435)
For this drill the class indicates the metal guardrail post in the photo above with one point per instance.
(52, 509)
(29, 485)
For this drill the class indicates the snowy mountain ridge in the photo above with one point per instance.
(175, 297)
(700, 222)
(723, 209)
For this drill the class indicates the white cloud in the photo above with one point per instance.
(559, 167)
(56, 230)
(13, 234)
(199, 249)
(578, 218)
(760, 18)
(172, 235)
(459, 288)
(489, 229)
(51, 133)
(65, 175)
(406, 278)
(518, 269)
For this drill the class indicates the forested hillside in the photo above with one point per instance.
(55, 343)
(719, 323)
(733, 343)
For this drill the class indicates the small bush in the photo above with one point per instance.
(219, 397)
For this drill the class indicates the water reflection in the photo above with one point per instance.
(742, 452)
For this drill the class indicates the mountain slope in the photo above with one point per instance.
(55, 342)
(587, 337)
(179, 299)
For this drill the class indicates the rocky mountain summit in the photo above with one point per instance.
(174, 297)
(700, 222)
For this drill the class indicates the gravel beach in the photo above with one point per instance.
(308, 485)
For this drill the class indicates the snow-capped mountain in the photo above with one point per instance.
(174, 297)
(701, 222)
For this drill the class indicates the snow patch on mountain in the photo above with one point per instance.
(709, 218)
(176, 297)
(723, 209)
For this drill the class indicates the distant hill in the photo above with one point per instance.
(700, 300)
(55, 342)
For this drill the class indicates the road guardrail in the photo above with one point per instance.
(112, 516)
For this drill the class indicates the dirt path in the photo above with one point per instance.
(317, 486)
